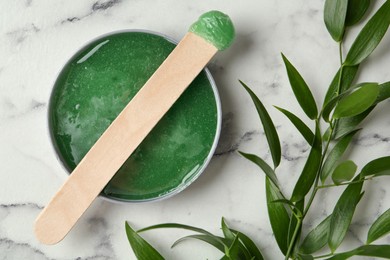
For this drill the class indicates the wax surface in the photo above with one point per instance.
(97, 84)
(216, 28)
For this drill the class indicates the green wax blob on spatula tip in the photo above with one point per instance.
(216, 28)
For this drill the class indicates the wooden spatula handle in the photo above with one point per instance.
(122, 137)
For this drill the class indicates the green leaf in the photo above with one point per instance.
(335, 154)
(269, 128)
(263, 165)
(347, 77)
(327, 109)
(330, 106)
(305, 257)
(204, 238)
(356, 11)
(384, 92)
(187, 227)
(342, 214)
(346, 125)
(278, 215)
(298, 123)
(379, 228)
(377, 167)
(229, 235)
(310, 169)
(366, 250)
(317, 238)
(142, 249)
(357, 102)
(249, 244)
(370, 36)
(344, 172)
(234, 250)
(335, 12)
(326, 135)
(301, 90)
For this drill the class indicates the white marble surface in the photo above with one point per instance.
(37, 37)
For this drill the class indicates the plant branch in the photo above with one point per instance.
(341, 53)
(344, 183)
(293, 238)
(313, 194)
(331, 124)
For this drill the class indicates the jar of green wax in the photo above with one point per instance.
(99, 81)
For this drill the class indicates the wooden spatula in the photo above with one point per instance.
(212, 32)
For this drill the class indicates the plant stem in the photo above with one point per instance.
(341, 52)
(314, 192)
(344, 183)
(340, 77)
(293, 238)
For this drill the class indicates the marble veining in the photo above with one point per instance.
(37, 37)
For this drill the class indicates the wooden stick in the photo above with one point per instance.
(122, 137)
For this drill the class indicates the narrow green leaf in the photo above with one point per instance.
(377, 167)
(269, 128)
(310, 169)
(379, 228)
(384, 92)
(237, 249)
(317, 238)
(229, 235)
(249, 244)
(234, 249)
(342, 214)
(382, 251)
(263, 165)
(326, 136)
(357, 102)
(327, 109)
(335, 12)
(142, 249)
(347, 77)
(356, 11)
(305, 257)
(204, 238)
(278, 215)
(335, 154)
(346, 125)
(240, 251)
(344, 172)
(301, 90)
(299, 124)
(370, 36)
(181, 226)
(285, 201)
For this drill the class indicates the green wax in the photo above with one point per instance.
(98, 82)
(216, 28)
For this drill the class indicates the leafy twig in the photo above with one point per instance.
(350, 105)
